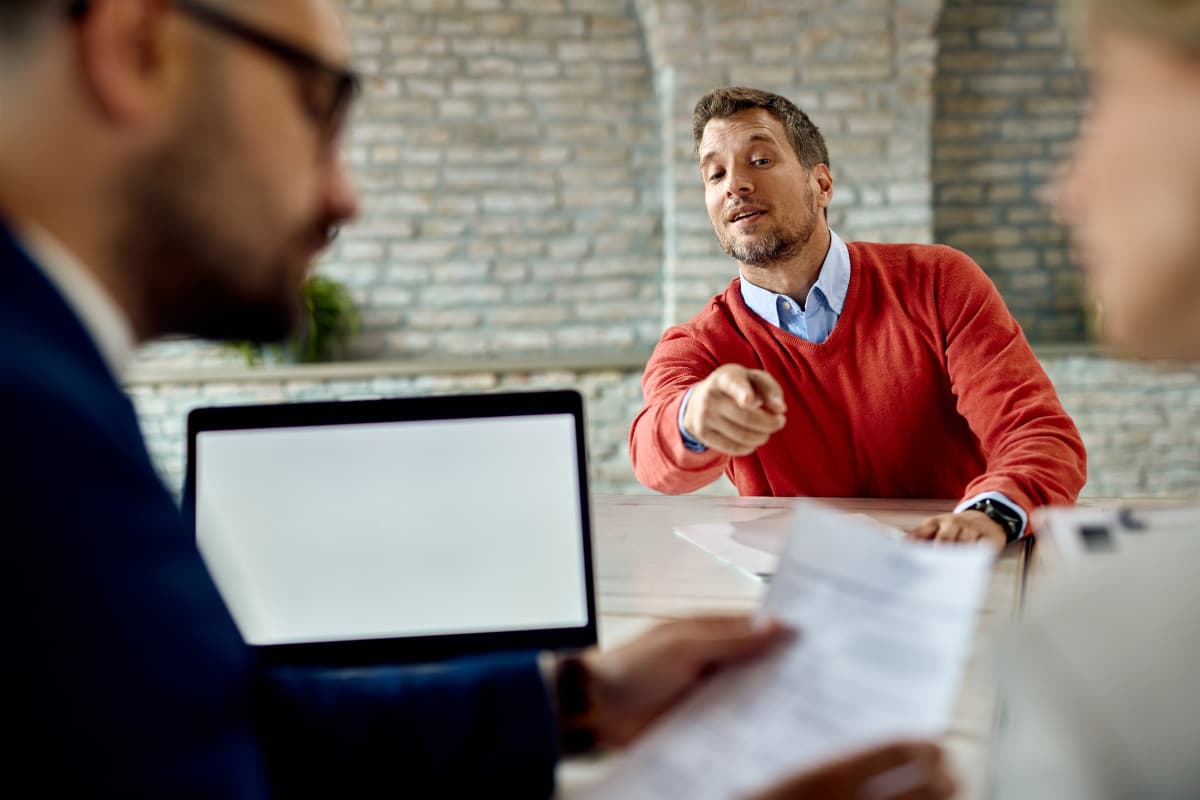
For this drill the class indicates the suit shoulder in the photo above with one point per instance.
(44, 385)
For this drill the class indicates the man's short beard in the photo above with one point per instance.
(767, 250)
(774, 246)
(188, 235)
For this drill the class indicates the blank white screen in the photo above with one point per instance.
(378, 530)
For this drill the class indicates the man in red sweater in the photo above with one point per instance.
(845, 370)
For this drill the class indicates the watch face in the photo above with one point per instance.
(1001, 515)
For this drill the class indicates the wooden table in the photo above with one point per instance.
(645, 573)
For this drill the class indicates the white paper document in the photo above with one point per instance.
(884, 629)
(753, 546)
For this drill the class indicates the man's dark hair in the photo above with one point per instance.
(17, 18)
(723, 103)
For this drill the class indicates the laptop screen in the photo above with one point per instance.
(437, 525)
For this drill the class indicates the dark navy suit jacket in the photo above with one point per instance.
(124, 674)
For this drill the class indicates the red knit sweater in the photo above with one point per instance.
(925, 388)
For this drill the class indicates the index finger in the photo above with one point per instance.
(768, 390)
(927, 529)
(738, 385)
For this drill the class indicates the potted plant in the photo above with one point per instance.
(330, 322)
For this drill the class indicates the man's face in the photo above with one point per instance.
(1132, 196)
(230, 212)
(763, 204)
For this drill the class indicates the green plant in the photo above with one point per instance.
(330, 321)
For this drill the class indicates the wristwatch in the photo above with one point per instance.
(1002, 514)
(573, 704)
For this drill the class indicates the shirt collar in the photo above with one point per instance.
(104, 321)
(833, 282)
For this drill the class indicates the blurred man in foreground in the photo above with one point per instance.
(171, 166)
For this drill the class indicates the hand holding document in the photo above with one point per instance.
(883, 631)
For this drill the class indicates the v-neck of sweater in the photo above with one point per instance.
(748, 319)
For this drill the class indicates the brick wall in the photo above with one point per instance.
(1008, 100)
(529, 187)
(505, 149)
(1140, 423)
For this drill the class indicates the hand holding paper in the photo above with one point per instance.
(884, 627)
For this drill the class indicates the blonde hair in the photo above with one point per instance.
(1173, 21)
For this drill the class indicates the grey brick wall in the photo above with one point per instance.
(1139, 422)
(527, 174)
(1008, 103)
(505, 150)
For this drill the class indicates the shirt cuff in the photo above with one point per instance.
(997, 497)
(691, 444)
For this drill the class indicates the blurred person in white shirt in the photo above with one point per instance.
(1102, 677)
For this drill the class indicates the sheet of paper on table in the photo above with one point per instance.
(884, 630)
(753, 546)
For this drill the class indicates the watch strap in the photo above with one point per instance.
(1002, 514)
(573, 703)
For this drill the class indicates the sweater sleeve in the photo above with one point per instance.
(660, 459)
(1033, 450)
(472, 727)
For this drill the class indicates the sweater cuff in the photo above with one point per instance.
(673, 446)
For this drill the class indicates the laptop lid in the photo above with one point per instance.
(397, 530)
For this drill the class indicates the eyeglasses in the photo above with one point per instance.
(326, 91)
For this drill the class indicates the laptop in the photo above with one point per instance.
(414, 529)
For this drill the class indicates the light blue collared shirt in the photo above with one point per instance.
(814, 323)
(822, 307)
